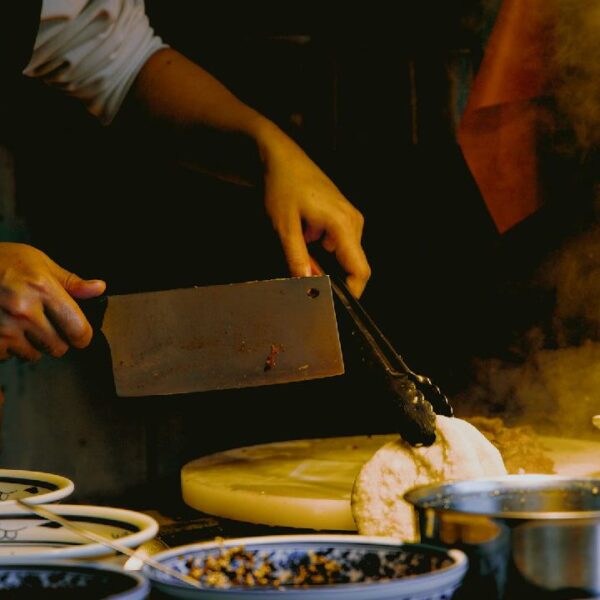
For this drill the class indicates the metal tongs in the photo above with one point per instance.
(416, 399)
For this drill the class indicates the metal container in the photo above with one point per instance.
(526, 536)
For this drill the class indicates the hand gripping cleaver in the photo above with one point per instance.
(222, 336)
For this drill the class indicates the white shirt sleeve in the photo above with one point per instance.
(93, 50)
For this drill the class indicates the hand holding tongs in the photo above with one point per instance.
(415, 397)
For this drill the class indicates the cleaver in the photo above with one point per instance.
(222, 336)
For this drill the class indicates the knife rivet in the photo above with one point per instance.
(312, 292)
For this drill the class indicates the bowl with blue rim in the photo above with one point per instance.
(320, 566)
(67, 580)
(36, 487)
(25, 534)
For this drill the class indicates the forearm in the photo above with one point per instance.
(174, 91)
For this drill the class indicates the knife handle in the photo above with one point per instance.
(94, 309)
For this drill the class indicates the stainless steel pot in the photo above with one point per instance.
(526, 536)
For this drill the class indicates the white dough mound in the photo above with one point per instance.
(459, 452)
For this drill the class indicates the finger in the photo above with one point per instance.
(329, 242)
(4, 354)
(83, 289)
(21, 311)
(294, 248)
(312, 233)
(315, 267)
(67, 319)
(42, 335)
(352, 259)
(74, 285)
(359, 224)
(19, 347)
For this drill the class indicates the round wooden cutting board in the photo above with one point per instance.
(307, 483)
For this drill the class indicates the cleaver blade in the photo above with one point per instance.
(223, 336)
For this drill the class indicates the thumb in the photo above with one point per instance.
(85, 288)
(294, 248)
(77, 287)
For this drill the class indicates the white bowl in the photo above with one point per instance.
(26, 535)
(35, 486)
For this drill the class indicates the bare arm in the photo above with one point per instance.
(303, 203)
(37, 310)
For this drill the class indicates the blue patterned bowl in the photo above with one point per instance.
(365, 569)
(69, 580)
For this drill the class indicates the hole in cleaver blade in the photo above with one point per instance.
(223, 336)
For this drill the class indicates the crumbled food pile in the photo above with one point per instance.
(520, 447)
(238, 566)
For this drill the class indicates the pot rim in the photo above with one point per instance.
(428, 497)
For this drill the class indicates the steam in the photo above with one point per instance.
(576, 66)
(574, 274)
(555, 384)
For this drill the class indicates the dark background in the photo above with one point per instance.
(375, 99)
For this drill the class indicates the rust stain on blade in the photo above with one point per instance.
(271, 361)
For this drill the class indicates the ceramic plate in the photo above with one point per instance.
(369, 569)
(36, 486)
(64, 580)
(23, 534)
